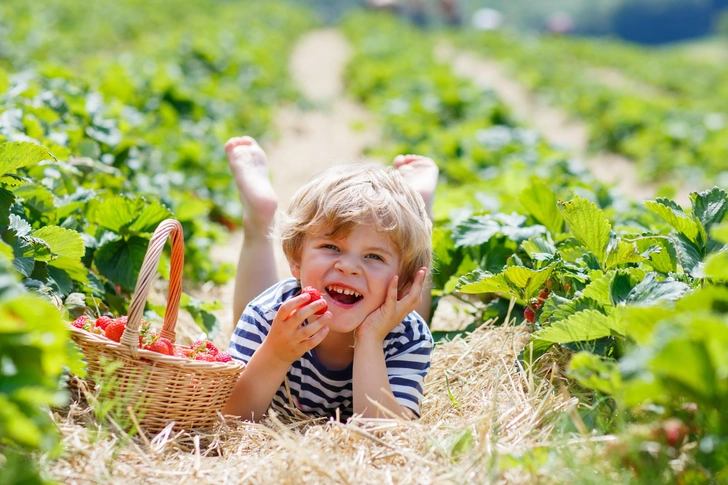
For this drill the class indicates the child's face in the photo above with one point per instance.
(361, 263)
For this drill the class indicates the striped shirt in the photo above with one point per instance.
(314, 388)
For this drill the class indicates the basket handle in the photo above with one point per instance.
(172, 229)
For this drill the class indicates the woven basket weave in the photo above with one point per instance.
(162, 388)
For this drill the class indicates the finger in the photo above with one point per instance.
(418, 283)
(314, 326)
(308, 310)
(289, 306)
(392, 292)
(317, 338)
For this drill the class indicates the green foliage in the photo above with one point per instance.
(35, 351)
(667, 113)
(113, 144)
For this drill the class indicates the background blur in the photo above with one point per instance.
(642, 21)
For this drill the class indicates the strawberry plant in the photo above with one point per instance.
(35, 349)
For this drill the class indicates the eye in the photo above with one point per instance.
(329, 246)
(374, 256)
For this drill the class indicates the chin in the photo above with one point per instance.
(343, 325)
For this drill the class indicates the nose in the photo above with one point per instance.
(347, 264)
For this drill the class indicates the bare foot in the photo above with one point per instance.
(249, 167)
(421, 174)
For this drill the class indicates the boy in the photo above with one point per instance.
(360, 234)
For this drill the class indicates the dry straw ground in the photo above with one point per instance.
(479, 404)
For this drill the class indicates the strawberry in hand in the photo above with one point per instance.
(315, 295)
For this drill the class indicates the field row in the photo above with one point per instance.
(662, 110)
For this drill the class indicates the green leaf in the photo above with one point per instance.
(599, 289)
(582, 326)
(621, 252)
(38, 198)
(540, 201)
(539, 249)
(18, 154)
(461, 443)
(674, 215)
(515, 281)
(120, 260)
(719, 232)
(475, 231)
(571, 307)
(63, 242)
(115, 213)
(650, 291)
(664, 260)
(76, 360)
(150, 218)
(6, 249)
(593, 372)
(7, 199)
(73, 267)
(688, 363)
(622, 284)
(709, 206)
(588, 224)
(17, 426)
(642, 321)
(690, 256)
(486, 283)
(531, 281)
(716, 266)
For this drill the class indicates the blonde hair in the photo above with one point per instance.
(336, 200)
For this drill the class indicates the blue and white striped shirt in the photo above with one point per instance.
(318, 390)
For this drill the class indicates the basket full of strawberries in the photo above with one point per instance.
(164, 381)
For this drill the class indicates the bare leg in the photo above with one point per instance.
(256, 269)
(421, 174)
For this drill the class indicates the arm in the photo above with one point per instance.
(370, 381)
(370, 377)
(286, 342)
(257, 385)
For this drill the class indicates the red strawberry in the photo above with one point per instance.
(544, 294)
(115, 330)
(205, 357)
(162, 346)
(183, 352)
(529, 314)
(81, 321)
(204, 346)
(674, 431)
(223, 357)
(103, 322)
(315, 295)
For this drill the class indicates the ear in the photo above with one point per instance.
(295, 269)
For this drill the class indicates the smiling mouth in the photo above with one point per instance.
(343, 295)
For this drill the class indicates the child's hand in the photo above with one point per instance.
(288, 340)
(385, 318)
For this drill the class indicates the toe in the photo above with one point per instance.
(239, 141)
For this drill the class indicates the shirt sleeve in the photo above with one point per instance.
(407, 357)
(249, 333)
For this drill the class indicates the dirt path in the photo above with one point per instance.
(553, 124)
(335, 130)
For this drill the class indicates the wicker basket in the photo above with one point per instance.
(161, 388)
